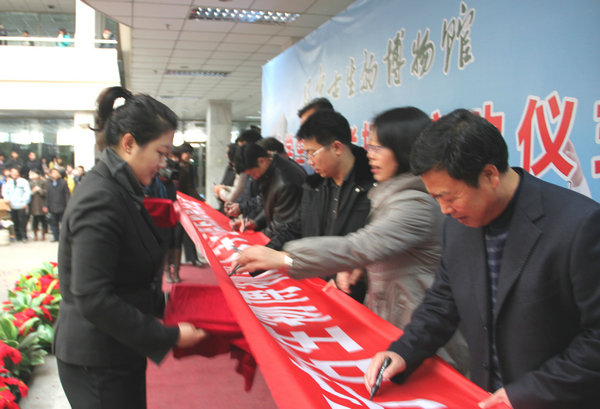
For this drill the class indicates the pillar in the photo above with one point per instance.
(218, 129)
(85, 25)
(84, 140)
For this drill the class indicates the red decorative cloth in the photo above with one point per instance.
(162, 211)
(205, 307)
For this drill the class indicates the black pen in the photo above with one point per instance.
(387, 361)
(236, 268)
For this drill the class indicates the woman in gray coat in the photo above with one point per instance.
(400, 244)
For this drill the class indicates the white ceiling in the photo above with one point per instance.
(162, 37)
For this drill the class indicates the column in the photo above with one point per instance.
(218, 129)
(84, 140)
(85, 25)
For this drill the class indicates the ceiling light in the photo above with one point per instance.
(197, 73)
(242, 15)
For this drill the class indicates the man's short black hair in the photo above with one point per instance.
(231, 151)
(246, 156)
(397, 129)
(272, 144)
(461, 143)
(326, 127)
(317, 104)
(249, 136)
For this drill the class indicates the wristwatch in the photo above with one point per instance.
(288, 261)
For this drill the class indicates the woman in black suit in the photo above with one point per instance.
(108, 254)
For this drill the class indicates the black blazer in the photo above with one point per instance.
(108, 255)
(57, 196)
(547, 320)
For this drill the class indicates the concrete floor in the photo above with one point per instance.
(45, 391)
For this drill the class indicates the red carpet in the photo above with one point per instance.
(196, 382)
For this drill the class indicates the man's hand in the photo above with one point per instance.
(232, 209)
(398, 365)
(189, 335)
(344, 280)
(260, 258)
(499, 400)
(217, 189)
(242, 224)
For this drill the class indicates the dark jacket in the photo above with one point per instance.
(251, 200)
(547, 316)
(227, 180)
(109, 254)
(281, 188)
(11, 163)
(187, 180)
(32, 165)
(57, 196)
(352, 211)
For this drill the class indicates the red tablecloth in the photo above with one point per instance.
(204, 306)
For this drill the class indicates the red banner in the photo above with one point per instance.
(313, 347)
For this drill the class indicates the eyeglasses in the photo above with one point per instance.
(375, 148)
(311, 156)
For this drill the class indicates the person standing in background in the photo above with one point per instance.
(38, 200)
(28, 43)
(17, 194)
(187, 185)
(63, 34)
(107, 34)
(14, 161)
(33, 163)
(57, 197)
(3, 33)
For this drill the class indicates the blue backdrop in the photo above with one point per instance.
(531, 68)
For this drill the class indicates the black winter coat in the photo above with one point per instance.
(281, 188)
(312, 218)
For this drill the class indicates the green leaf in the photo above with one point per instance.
(12, 343)
(38, 359)
(9, 331)
(47, 268)
(29, 340)
(37, 301)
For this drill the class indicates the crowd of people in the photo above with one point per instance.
(505, 288)
(65, 38)
(428, 226)
(37, 191)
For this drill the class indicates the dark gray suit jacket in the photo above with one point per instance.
(109, 253)
(547, 320)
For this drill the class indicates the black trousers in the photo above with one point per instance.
(19, 218)
(104, 388)
(38, 219)
(189, 248)
(55, 219)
